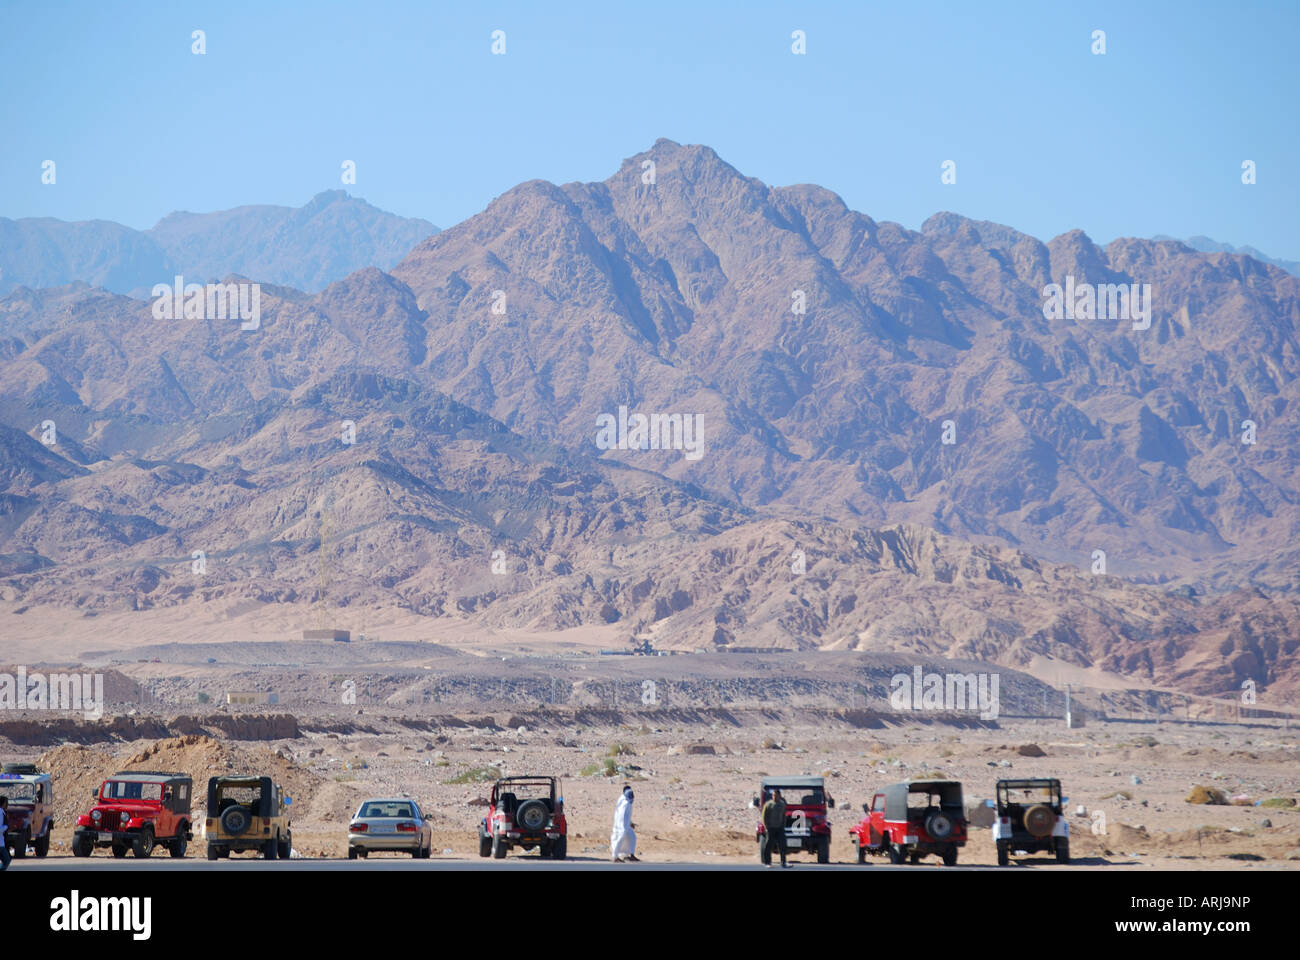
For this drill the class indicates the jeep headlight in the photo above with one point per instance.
(96, 815)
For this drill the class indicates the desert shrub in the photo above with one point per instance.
(603, 768)
(476, 775)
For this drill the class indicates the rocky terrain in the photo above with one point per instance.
(418, 447)
(1128, 783)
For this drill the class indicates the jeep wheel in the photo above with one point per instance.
(950, 857)
(896, 854)
(1039, 820)
(484, 844)
(532, 815)
(212, 851)
(560, 849)
(352, 853)
(498, 847)
(862, 854)
(286, 847)
(41, 845)
(271, 849)
(939, 825)
(119, 850)
(1062, 851)
(81, 845)
(913, 858)
(824, 850)
(19, 843)
(235, 820)
(1004, 853)
(142, 846)
(178, 847)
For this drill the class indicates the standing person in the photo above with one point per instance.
(774, 828)
(4, 826)
(622, 839)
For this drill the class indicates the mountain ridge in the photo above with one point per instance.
(473, 374)
(324, 240)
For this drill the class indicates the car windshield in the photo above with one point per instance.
(923, 801)
(18, 792)
(525, 790)
(386, 808)
(130, 790)
(246, 795)
(1038, 793)
(799, 796)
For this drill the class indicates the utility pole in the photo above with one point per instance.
(1069, 718)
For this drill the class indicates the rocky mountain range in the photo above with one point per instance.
(898, 446)
(1206, 245)
(306, 247)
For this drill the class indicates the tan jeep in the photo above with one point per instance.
(247, 813)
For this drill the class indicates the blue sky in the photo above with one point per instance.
(1146, 139)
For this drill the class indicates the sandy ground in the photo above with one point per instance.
(1131, 778)
(694, 771)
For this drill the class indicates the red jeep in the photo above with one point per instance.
(910, 820)
(525, 812)
(136, 810)
(806, 826)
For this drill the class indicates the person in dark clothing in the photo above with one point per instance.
(4, 825)
(774, 828)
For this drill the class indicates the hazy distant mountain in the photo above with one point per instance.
(1206, 245)
(826, 508)
(44, 252)
(306, 247)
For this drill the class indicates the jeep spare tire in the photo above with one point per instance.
(532, 815)
(1039, 820)
(939, 825)
(235, 820)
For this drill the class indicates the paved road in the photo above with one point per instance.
(130, 864)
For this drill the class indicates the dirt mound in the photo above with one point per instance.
(78, 770)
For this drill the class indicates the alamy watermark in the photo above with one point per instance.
(78, 692)
(655, 431)
(1102, 301)
(213, 301)
(946, 692)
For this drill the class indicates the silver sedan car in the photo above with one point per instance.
(390, 823)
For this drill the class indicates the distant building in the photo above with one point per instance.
(342, 636)
(251, 698)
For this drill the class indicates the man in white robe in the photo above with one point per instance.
(622, 839)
